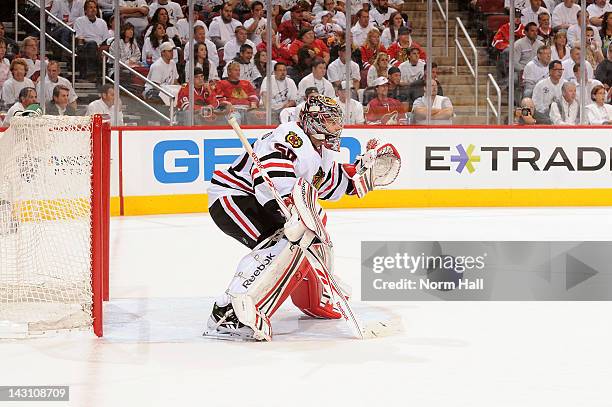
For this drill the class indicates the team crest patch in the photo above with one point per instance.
(293, 139)
(317, 179)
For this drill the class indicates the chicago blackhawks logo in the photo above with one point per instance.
(293, 139)
(317, 179)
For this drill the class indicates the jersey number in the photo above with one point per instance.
(286, 152)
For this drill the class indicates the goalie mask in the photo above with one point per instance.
(322, 119)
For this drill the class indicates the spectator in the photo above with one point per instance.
(594, 53)
(91, 33)
(256, 25)
(326, 30)
(174, 9)
(232, 47)
(574, 32)
(261, 63)
(199, 36)
(292, 113)
(26, 97)
(536, 70)
(565, 14)
(13, 86)
(29, 53)
(289, 29)
(381, 13)
(526, 48)
(597, 10)
(201, 60)
(162, 72)
(589, 84)
(304, 66)
(546, 90)
(371, 48)
(338, 17)
(603, 73)
(380, 68)
(390, 34)
(441, 107)
(53, 79)
(222, 28)
(104, 105)
(306, 7)
(355, 112)
(415, 90)
(599, 112)
(182, 26)
(240, 93)
(336, 71)
(568, 65)
(67, 11)
(11, 46)
(545, 31)
(248, 70)
(398, 90)
(361, 28)
(605, 35)
(279, 53)
(560, 49)
(151, 51)
(284, 93)
(204, 98)
(59, 105)
(524, 115)
(565, 111)
(383, 109)
(316, 47)
(413, 68)
(161, 17)
(129, 52)
(531, 12)
(317, 79)
(5, 65)
(398, 51)
(501, 42)
(134, 12)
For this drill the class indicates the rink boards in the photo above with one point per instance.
(167, 170)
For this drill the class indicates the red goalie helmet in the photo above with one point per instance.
(322, 119)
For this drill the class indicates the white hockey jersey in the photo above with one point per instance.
(287, 154)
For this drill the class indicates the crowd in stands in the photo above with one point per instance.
(387, 67)
(547, 61)
(230, 58)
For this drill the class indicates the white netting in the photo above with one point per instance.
(45, 223)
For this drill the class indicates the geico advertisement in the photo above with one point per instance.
(182, 161)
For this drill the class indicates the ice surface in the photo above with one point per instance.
(166, 270)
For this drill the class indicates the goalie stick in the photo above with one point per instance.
(360, 330)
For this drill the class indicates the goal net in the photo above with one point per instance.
(50, 224)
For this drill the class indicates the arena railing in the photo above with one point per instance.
(444, 14)
(473, 68)
(172, 97)
(490, 107)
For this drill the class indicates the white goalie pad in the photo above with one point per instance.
(378, 167)
(264, 280)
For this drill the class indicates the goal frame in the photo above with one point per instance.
(100, 218)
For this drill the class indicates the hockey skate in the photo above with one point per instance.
(224, 324)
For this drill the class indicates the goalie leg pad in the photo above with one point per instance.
(265, 278)
(312, 297)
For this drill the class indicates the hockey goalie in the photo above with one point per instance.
(301, 160)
